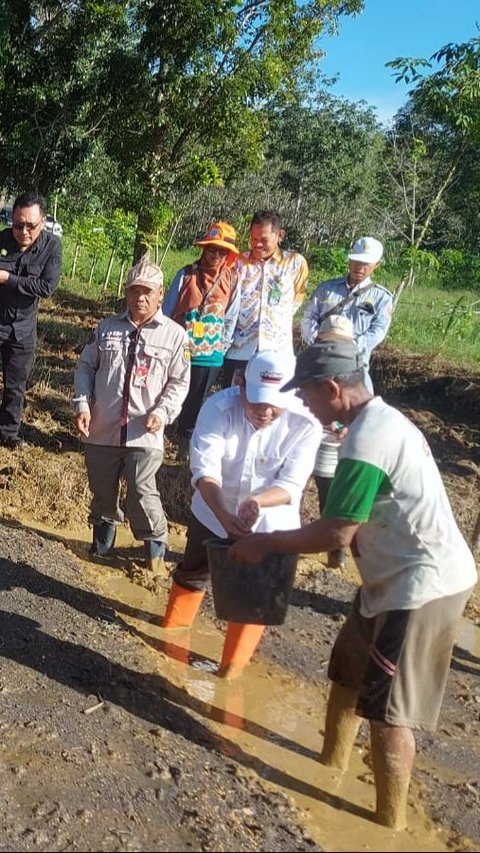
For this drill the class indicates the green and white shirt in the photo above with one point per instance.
(408, 550)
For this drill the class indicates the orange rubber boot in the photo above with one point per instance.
(240, 644)
(178, 649)
(182, 606)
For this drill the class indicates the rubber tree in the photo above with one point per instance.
(433, 136)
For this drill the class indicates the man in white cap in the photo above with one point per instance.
(251, 454)
(130, 381)
(368, 305)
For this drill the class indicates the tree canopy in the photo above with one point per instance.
(170, 92)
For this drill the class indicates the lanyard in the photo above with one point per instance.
(345, 301)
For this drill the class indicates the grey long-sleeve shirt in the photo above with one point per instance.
(126, 373)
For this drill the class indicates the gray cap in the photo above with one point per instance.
(325, 359)
(147, 274)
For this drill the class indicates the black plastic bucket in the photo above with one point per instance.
(253, 594)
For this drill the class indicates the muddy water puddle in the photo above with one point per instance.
(269, 720)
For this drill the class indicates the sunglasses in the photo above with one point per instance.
(28, 226)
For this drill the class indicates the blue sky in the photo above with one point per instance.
(386, 30)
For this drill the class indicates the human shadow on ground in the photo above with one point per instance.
(464, 661)
(320, 602)
(94, 605)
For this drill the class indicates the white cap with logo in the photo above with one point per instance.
(367, 250)
(266, 373)
(336, 326)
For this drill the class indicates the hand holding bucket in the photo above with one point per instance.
(248, 511)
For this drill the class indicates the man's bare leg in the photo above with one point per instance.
(393, 753)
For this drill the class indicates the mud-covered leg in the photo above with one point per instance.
(341, 726)
(393, 753)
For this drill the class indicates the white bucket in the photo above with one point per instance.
(327, 457)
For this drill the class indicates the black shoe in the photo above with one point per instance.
(12, 442)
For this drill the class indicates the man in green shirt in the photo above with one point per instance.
(387, 502)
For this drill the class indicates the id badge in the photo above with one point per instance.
(274, 294)
(198, 329)
(141, 372)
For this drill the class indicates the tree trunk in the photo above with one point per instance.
(408, 281)
(143, 237)
(109, 271)
(120, 280)
(75, 260)
(92, 270)
(171, 235)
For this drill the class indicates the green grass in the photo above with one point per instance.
(438, 322)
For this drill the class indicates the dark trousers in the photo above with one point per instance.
(193, 572)
(201, 380)
(230, 365)
(323, 485)
(17, 363)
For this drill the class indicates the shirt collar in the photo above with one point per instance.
(158, 318)
(360, 286)
(277, 256)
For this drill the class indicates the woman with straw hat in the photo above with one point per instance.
(203, 299)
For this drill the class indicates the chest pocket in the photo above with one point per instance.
(367, 308)
(30, 266)
(158, 359)
(112, 351)
(265, 465)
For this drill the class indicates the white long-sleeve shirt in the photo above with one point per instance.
(126, 373)
(246, 461)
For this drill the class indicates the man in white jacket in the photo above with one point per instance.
(252, 452)
(130, 381)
